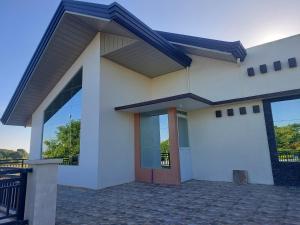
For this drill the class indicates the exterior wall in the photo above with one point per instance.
(220, 80)
(86, 173)
(220, 145)
(185, 158)
(119, 86)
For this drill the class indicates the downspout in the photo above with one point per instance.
(188, 82)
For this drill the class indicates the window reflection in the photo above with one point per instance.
(61, 133)
(155, 147)
(183, 130)
(286, 118)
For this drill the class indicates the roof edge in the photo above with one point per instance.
(114, 12)
(273, 95)
(235, 48)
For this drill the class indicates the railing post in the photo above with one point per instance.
(22, 197)
(40, 207)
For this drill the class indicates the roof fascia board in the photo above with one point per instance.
(271, 96)
(235, 48)
(122, 16)
(201, 48)
(111, 12)
(167, 99)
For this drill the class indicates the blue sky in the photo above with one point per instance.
(253, 22)
(286, 112)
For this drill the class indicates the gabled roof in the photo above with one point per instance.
(113, 12)
(72, 27)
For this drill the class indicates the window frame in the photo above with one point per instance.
(79, 71)
(185, 116)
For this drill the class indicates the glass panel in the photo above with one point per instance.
(183, 131)
(286, 118)
(155, 151)
(61, 132)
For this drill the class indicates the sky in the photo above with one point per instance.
(286, 112)
(252, 22)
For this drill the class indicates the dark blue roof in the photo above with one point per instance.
(235, 48)
(115, 12)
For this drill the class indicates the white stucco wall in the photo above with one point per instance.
(86, 173)
(220, 80)
(220, 145)
(119, 86)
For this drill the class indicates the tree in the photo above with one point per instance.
(10, 154)
(165, 146)
(288, 137)
(66, 142)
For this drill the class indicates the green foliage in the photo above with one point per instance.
(164, 146)
(10, 154)
(66, 143)
(288, 137)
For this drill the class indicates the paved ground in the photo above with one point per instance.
(194, 202)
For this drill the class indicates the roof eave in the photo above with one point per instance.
(114, 12)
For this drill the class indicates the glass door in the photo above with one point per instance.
(154, 134)
(156, 147)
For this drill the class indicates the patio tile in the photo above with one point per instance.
(193, 202)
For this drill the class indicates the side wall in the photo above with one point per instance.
(220, 145)
(219, 80)
(119, 86)
(86, 173)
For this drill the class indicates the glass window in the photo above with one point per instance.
(183, 130)
(286, 118)
(61, 132)
(155, 151)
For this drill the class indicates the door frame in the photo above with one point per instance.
(284, 173)
(162, 175)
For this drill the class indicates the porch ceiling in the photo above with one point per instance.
(185, 102)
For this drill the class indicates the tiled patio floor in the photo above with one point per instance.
(194, 202)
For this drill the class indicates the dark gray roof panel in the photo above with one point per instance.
(235, 48)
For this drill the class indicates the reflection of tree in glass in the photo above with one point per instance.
(288, 137)
(66, 142)
(164, 146)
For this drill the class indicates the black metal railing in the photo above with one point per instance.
(289, 156)
(165, 159)
(13, 183)
(15, 163)
(68, 161)
(72, 161)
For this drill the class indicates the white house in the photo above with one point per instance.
(154, 106)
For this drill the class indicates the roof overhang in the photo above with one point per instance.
(189, 101)
(223, 50)
(184, 102)
(71, 29)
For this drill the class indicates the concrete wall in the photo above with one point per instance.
(220, 145)
(86, 173)
(119, 86)
(220, 80)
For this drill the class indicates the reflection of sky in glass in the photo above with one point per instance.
(286, 112)
(70, 110)
(164, 127)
